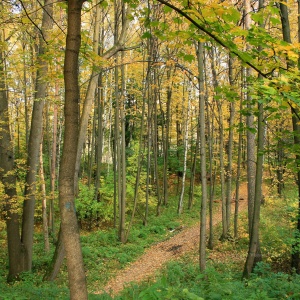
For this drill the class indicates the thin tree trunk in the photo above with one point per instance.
(251, 157)
(254, 254)
(8, 179)
(139, 158)
(155, 138)
(193, 170)
(286, 32)
(53, 168)
(221, 152)
(295, 247)
(185, 146)
(202, 248)
(122, 228)
(25, 98)
(90, 94)
(230, 147)
(166, 139)
(251, 163)
(44, 202)
(149, 146)
(57, 259)
(99, 142)
(212, 173)
(211, 158)
(238, 174)
(35, 138)
(252, 258)
(100, 110)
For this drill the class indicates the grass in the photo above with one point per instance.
(222, 279)
(104, 255)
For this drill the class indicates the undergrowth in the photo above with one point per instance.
(222, 279)
(104, 255)
(182, 280)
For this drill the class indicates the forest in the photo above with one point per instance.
(156, 138)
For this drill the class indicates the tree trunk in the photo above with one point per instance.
(202, 248)
(286, 32)
(166, 139)
(44, 202)
(122, 229)
(90, 94)
(211, 171)
(35, 138)
(253, 255)
(230, 147)
(155, 95)
(57, 259)
(8, 179)
(221, 152)
(193, 169)
(238, 175)
(139, 158)
(53, 168)
(185, 149)
(296, 128)
(69, 226)
(251, 157)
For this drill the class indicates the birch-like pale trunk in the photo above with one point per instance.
(44, 202)
(185, 147)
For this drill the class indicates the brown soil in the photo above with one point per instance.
(187, 240)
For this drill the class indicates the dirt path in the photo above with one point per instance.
(157, 255)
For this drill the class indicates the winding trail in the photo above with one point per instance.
(187, 240)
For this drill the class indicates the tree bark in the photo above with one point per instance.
(286, 32)
(254, 253)
(202, 248)
(53, 168)
(35, 138)
(69, 226)
(90, 94)
(185, 150)
(44, 202)
(8, 179)
(230, 147)
(238, 175)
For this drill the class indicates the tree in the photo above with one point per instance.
(286, 33)
(21, 247)
(35, 137)
(254, 254)
(202, 248)
(8, 179)
(69, 225)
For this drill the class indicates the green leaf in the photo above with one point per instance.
(154, 23)
(189, 58)
(257, 17)
(191, 296)
(104, 4)
(177, 20)
(232, 16)
(146, 35)
(167, 9)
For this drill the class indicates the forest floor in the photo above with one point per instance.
(155, 257)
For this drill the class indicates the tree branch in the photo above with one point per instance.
(35, 25)
(214, 37)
